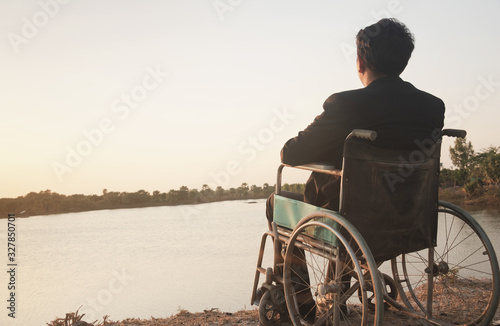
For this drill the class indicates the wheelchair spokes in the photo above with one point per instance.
(320, 283)
(464, 272)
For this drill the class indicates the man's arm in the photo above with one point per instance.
(321, 141)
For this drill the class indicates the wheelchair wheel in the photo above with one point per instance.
(390, 287)
(464, 289)
(325, 268)
(272, 308)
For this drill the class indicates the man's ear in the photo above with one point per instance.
(360, 65)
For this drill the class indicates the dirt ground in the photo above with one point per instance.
(242, 318)
(214, 317)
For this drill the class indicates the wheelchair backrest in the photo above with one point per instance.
(391, 196)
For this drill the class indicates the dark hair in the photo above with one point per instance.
(385, 47)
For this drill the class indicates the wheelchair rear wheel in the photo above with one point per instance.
(464, 289)
(322, 277)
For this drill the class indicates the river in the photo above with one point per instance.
(142, 263)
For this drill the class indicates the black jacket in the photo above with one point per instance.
(399, 113)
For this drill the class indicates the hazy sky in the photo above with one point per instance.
(154, 95)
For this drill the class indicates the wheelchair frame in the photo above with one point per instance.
(421, 279)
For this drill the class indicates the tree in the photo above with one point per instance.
(243, 190)
(462, 156)
(220, 193)
(207, 194)
(156, 196)
(183, 195)
(488, 163)
(173, 197)
(256, 191)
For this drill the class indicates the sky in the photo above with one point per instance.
(128, 95)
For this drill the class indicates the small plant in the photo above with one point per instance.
(71, 319)
(182, 311)
(74, 319)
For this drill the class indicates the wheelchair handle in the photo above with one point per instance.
(363, 134)
(454, 133)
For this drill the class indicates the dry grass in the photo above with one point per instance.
(75, 319)
(461, 299)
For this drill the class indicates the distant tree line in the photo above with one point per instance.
(48, 202)
(472, 170)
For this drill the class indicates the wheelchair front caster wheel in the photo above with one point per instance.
(392, 291)
(272, 308)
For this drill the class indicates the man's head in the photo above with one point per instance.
(385, 47)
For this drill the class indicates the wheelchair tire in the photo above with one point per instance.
(314, 294)
(464, 289)
(272, 311)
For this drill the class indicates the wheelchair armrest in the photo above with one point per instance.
(458, 133)
(319, 167)
(313, 167)
(363, 134)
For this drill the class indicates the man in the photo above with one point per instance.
(401, 114)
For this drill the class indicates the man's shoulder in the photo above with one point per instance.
(343, 98)
(424, 93)
(426, 97)
(379, 92)
(364, 95)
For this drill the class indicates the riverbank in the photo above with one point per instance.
(183, 317)
(484, 196)
(48, 202)
(214, 317)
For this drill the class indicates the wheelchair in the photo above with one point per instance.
(327, 265)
